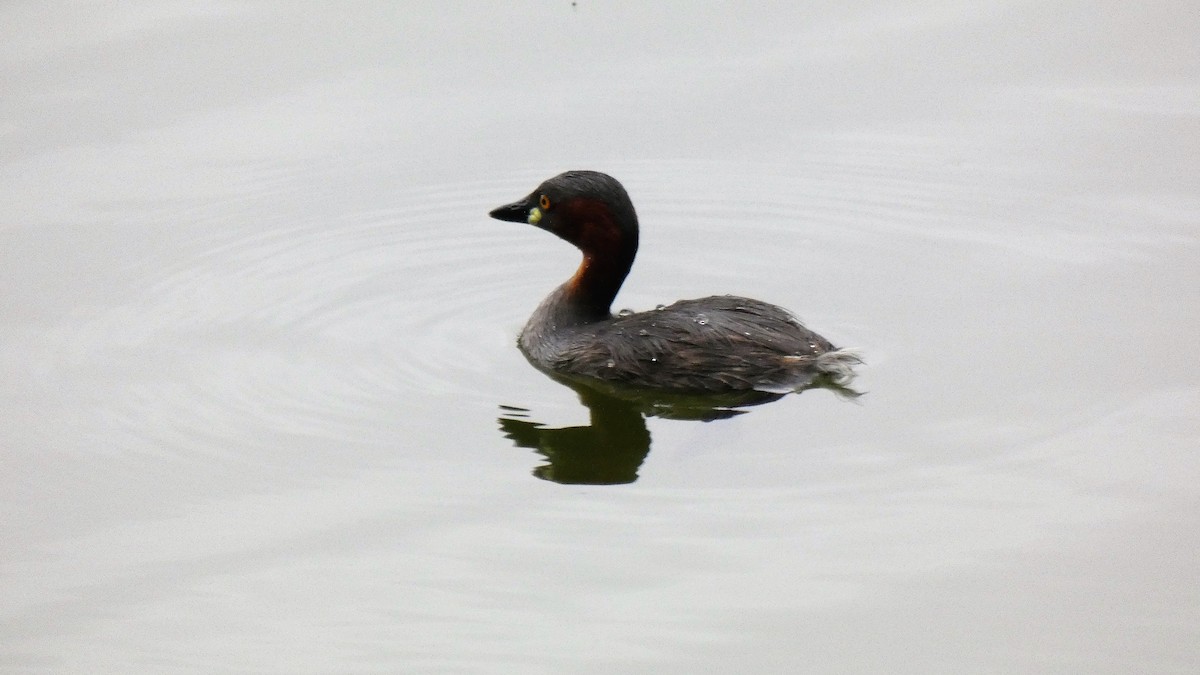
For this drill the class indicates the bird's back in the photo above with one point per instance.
(714, 344)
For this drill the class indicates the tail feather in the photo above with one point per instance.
(830, 370)
(838, 364)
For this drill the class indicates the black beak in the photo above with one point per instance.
(516, 212)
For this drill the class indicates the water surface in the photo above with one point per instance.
(260, 380)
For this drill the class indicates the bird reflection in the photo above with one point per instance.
(611, 448)
(607, 451)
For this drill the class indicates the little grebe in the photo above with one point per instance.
(709, 345)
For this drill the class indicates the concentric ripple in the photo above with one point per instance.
(312, 323)
(306, 328)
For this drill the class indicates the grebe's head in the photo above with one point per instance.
(587, 208)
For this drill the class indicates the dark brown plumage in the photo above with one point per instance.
(716, 344)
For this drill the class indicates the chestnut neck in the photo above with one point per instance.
(608, 239)
(595, 284)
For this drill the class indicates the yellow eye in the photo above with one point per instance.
(544, 202)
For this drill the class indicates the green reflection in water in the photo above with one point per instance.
(610, 449)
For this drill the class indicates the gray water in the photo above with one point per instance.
(258, 362)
